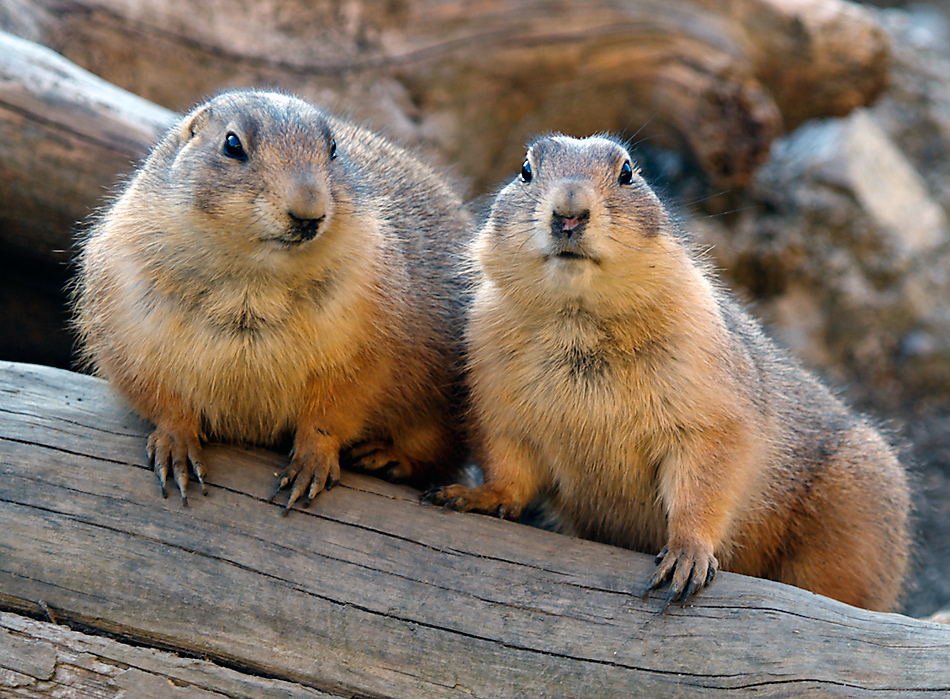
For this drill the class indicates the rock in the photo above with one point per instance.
(843, 239)
(846, 253)
(915, 109)
(940, 617)
(843, 245)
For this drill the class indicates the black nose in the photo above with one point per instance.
(571, 225)
(306, 227)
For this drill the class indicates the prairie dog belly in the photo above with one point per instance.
(240, 358)
(559, 384)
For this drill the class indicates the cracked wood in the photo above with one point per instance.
(370, 593)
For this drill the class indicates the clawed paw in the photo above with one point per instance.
(308, 474)
(484, 498)
(170, 451)
(687, 568)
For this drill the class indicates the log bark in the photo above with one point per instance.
(369, 593)
(477, 79)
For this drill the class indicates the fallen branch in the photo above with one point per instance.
(65, 136)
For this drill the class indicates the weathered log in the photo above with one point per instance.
(65, 136)
(40, 660)
(478, 79)
(370, 593)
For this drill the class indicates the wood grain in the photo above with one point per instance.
(41, 661)
(369, 593)
(718, 82)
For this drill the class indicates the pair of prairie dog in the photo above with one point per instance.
(273, 270)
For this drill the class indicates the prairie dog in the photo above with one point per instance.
(609, 372)
(273, 271)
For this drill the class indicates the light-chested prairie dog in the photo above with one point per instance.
(273, 271)
(609, 372)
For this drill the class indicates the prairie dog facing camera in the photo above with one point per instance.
(609, 372)
(270, 272)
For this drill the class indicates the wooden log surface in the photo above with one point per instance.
(40, 660)
(476, 79)
(370, 593)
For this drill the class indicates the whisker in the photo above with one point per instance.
(706, 198)
(634, 144)
(751, 207)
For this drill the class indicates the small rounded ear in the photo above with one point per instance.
(181, 134)
(193, 122)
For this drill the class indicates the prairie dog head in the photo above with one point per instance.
(258, 175)
(578, 223)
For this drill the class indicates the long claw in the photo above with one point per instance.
(659, 579)
(300, 487)
(687, 569)
(695, 583)
(314, 490)
(181, 480)
(171, 452)
(280, 487)
(161, 468)
(314, 466)
(197, 465)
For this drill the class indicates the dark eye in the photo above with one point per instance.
(526, 172)
(626, 173)
(233, 147)
(332, 149)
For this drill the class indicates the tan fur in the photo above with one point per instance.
(203, 302)
(639, 397)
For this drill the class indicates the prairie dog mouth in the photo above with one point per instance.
(300, 231)
(568, 233)
(307, 228)
(570, 253)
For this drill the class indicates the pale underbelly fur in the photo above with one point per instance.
(247, 387)
(595, 454)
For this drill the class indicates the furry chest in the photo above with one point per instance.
(597, 437)
(246, 376)
(246, 388)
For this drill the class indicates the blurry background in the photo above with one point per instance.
(807, 143)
